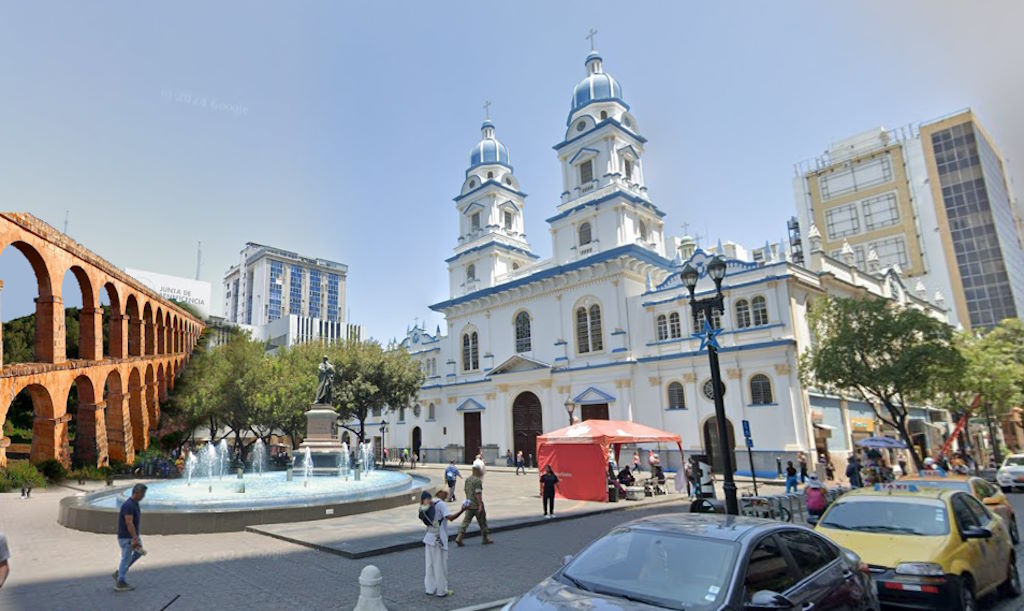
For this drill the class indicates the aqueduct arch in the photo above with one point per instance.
(119, 388)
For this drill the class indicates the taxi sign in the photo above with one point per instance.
(931, 473)
(896, 486)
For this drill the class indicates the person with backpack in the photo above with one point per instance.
(450, 475)
(435, 515)
(814, 492)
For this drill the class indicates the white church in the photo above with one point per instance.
(603, 327)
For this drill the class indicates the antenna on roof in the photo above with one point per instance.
(199, 258)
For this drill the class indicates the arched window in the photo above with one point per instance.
(490, 175)
(401, 414)
(430, 412)
(759, 309)
(470, 352)
(716, 319)
(760, 390)
(588, 329)
(470, 272)
(584, 232)
(675, 330)
(662, 327)
(522, 324)
(742, 314)
(604, 115)
(515, 266)
(642, 228)
(676, 400)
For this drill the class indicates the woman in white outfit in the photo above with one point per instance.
(435, 515)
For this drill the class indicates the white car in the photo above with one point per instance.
(1011, 474)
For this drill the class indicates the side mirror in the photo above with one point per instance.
(566, 559)
(977, 532)
(766, 599)
(992, 500)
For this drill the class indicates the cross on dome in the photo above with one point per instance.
(487, 110)
(590, 35)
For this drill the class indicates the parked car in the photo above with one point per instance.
(1010, 475)
(927, 548)
(985, 492)
(703, 562)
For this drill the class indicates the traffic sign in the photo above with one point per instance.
(750, 443)
(746, 429)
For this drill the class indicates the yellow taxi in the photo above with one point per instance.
(990, 495)
(927, 548)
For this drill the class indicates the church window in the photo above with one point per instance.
(676, 399)
(742, 314)
(760, 390)
(401, 414)
(522, 324)
(508, 221)
(470, 272)
(508, 180)
(474, 221)
(759, 308)
(584, 232)
(470, 351)
(490, 175)
(627, 122)
(586, 171)
(627, 165)
(662, 327)
(515, 266)
(642, 228)
(604, 115)
(430, 411)
(472, 184)
(675, 331)
(716, 319)
(588, 329)
(582, 125)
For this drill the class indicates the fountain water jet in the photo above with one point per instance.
(259, 457)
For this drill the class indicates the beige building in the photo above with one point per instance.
(933, 198)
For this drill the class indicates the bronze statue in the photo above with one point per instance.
(325, 380)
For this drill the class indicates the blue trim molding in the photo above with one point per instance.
(593, 396)
(629, 197)
(471, 405)
(495, 244)
(486, 183)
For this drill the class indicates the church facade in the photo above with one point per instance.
(603, 327)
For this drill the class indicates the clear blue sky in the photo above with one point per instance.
(358, 118)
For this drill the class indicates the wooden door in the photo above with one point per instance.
(527, 424)
(471, 430)
(598, 411)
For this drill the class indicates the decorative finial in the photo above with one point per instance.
(487, 110)
(590, 35)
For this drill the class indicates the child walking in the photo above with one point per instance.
(435, 514)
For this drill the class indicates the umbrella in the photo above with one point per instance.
(886, 443)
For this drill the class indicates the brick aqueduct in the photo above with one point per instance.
(119, 392)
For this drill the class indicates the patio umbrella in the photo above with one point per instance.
(885, 443)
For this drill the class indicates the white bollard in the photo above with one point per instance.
(370, 597)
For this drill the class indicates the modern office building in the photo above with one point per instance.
(933, 198)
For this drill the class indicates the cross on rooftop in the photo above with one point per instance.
(487, 109)
(590, 36)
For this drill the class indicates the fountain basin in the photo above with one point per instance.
(174, 507)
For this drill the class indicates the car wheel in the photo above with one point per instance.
(1014, 534)
(1011, 587)
(967, 600)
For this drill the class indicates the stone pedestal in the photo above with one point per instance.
(322, 438)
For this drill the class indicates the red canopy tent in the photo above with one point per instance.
(578, 454)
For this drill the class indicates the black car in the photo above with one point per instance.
(704, 562)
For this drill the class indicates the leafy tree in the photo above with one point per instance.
(282, 403)
(890, 355)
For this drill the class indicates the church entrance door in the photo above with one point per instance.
(471, 430)
(527, 423)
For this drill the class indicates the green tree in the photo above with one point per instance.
(887, 354)
(282, 403)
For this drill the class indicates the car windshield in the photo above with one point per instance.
(888, 516)
(658, 568)
(1014, 461)
(935, 482)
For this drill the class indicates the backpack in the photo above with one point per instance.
(427, 514)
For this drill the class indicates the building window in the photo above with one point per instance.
(588, 329)
(662, 327)
(332, 298)
(674, 328)
(401, 414)
(515, 266)
(508, 221)
(470, 351)
(470, 272)
(604, 115)
(584, 232)
(276, 290)
(295, 291)
(759, 308)
(880, 211)
(472, 184)
(314, 293)
(760, 390)
(892, 251)
(522, 324)
(474, 221)
(581, 126)
(716, 319)
(842, 221)
(742, 314)
(430, 411)
(627, 165)
(642, 229)
(676, 400)
(586, 171)
(490, 175)
(856, 177)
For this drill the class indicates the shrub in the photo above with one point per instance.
(149, 454)
(91, 473)
(53, 470)
(19, 474)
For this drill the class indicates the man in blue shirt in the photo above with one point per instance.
(450, 475)
(129, 522)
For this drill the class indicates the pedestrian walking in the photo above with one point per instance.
(791, 481)
(474, 506)
(5, 558)
(478, 463)
(435, 515)
(520, 462)
(549, 483)
(853, 472)
(129, 525)
(450, 475)
(509, 461)
(636, 460)
(814, 493)
(802, 461)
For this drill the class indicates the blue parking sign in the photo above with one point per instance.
(746, 429)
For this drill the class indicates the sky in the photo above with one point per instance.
(342, 130)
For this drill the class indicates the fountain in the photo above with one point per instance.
(343, 465)
(307, 465)
(190, 466)
(259, 458)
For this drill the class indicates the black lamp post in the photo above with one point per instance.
(383, 429)
(708, 305)
(570, 407)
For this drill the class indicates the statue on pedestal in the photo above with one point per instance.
(325, 380)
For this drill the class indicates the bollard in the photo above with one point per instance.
(370, 597)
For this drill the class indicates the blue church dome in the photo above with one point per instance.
(597, 86)
(489, 149)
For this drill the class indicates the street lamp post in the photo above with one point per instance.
(707, 306)
(570, 407)
(383, 429)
